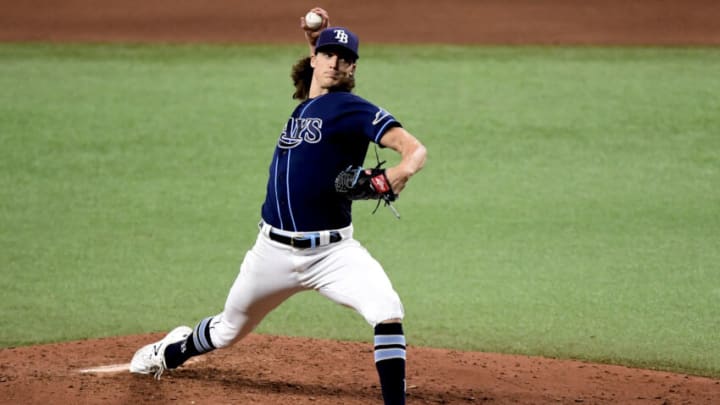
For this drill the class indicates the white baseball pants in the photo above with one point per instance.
(271, 272)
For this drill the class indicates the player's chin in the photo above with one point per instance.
(342, 83)
(332, 80)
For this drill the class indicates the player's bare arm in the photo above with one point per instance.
(412, 152)
(312, 34)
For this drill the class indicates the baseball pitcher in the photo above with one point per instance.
(305, 239)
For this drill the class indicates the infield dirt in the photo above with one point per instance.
(281, 370)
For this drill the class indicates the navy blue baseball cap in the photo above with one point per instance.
(338, 37)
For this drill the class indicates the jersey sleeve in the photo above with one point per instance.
(368, 119)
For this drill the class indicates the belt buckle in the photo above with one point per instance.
(313, 237)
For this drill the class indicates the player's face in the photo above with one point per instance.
(332, 68)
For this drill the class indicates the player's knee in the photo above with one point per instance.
(383, 311)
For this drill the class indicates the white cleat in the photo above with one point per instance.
(150, 359)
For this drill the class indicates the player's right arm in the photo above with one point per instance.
(413, 155)
(312, 34)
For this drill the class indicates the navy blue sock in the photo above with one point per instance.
(390, 362)
(198, 342)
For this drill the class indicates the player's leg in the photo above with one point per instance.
(265, 280)
(352, 277)
(390, 360)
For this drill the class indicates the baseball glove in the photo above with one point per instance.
(358, 183)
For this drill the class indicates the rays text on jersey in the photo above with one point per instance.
(298, 130)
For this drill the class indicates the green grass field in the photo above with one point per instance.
(570, 206)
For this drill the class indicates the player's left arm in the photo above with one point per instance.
(412, 152)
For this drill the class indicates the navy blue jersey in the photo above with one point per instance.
(323, 136)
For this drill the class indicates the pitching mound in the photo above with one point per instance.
(280, 370)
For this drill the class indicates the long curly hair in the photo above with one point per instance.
(301, 75)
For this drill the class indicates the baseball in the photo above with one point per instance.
(313, 20)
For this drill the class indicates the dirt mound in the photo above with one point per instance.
(281, 370)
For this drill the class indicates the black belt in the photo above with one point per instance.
(308, 240)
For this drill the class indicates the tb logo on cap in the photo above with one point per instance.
(341, 36)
